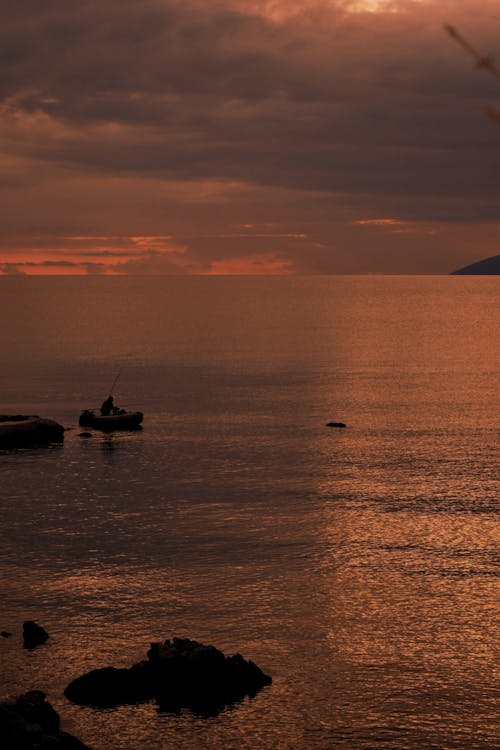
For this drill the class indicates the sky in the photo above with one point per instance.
(246, 137)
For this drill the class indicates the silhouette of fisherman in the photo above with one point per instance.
(107, 407)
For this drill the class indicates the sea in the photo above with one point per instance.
(357, 566)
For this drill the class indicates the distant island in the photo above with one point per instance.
(486, 267)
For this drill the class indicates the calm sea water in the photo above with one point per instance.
(358, 567)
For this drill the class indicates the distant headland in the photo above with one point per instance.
(486, 267)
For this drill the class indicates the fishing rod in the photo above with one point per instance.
(115, 381)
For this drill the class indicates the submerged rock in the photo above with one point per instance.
(19, 431)
(178, 673)
(31, 723)
(33, 634)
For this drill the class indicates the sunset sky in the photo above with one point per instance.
(246, 136)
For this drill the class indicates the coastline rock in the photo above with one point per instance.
(485, 267)
(19, 431)
(33, 634)
(31, 722)
(178, 673)
(34, 709)
(17, 417)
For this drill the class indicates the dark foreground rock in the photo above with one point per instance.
(32, 723)
(20, 431)
(178, 673)
(33, 634)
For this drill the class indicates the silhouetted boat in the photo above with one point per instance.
(124, 420)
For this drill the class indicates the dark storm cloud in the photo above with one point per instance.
(83, 49)
(381, 112)
(194, 90)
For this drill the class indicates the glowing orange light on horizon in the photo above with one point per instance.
(249, 267)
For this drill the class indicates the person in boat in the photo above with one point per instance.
(107, 407)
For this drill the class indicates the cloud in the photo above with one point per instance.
(396, 226)
(182, 119)
(11, 269)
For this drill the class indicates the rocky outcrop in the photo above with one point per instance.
(16, 418)
(19, 431)
(31, 723)
(33, 634)
(486, 267)
(177, 673)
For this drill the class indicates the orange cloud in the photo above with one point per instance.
(250, 266)
(380, 222)
(91, 254)
(245, 129)
(397, 226)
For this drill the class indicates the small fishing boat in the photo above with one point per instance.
(121, 420)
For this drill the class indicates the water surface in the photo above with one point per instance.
(358, 567)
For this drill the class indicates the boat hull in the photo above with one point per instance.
(127, 421)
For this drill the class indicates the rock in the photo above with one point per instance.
(5, 634)
(335, 424)
(16, 417)
(85, 434)
(33, 634)
(32, 723)
(61, 741)
(19, 431)
(485, 267)
(181, 673)
(34, 709)
(14, 731)
(110, 686)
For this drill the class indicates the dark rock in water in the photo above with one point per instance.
(178, 673)
(335, 424)
(19, 431)
(31, 723)
(85, 434)
(17, 417)
(33, 634)
(5, 634)
(110, 686)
